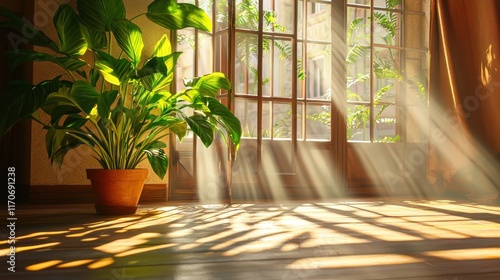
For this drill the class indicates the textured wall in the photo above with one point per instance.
(73, 170)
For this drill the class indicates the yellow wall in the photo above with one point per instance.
(73, 170)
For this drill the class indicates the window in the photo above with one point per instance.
(307, 77)
(316, 7)
(386, 69)
(279, 57)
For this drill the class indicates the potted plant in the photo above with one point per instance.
(110, 98)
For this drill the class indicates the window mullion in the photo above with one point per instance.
(372, 74)
(400, 101)
(259, 87)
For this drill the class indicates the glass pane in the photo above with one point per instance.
(319, 22)
(387, 28)
(205, 53)
(358, 29)
(300, 20)
(185, 63)
(358, 122)
(387, 74)
(267, 68)
(222, 14)
(246, 112)
(385, 124)
(245, 73)
(247, 14)
(358, 74)
(301, 115)
(318, 122)
(301, 73)
(385, 90)
(282, 120)
(278, 16)
(277, 68)
(387, 4)
(318, 73)
(266, 120)
(359, 2)
(282, 69)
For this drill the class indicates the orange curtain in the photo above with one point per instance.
(464, 98)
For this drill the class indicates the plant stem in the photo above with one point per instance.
(109, 44)
(137, 16)
(71, 74)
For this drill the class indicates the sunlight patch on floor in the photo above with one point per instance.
(357, 261)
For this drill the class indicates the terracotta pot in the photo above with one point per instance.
(116, 191)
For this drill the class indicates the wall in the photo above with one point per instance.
(15, 144)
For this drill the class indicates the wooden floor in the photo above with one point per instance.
(342, 239)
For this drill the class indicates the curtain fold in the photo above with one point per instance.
(464, 98)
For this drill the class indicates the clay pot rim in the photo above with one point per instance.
(97, 173)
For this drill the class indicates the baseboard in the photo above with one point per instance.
(76, 194)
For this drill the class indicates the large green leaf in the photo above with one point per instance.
(59, 103)
(81, 95)
(22, 56)
(201, 127)
(157, 96)
(82, 137)
(115, 71)
(21, 99)
(224, 116)
(60, 141)
(152, 66)
(75, 121)
(129, 38)
(70, 143)
(156, 145)
(54, 140)
(158, 160)
(84, 95)
(210, 84)
(170, 62)
(163, 47)
(161, 79)
(71, 40)
(99, 14)
(104, 103)
(180, 129)
(96, 40)
(24, 32)
(166, 121)
(173, 15)
(94, 76)
(58, 111)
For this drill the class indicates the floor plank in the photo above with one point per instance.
(342, 239)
